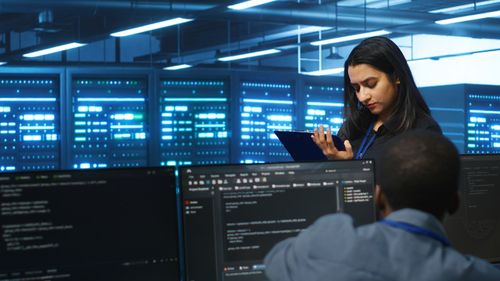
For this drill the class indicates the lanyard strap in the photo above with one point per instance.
(417, 230)
(365, 143)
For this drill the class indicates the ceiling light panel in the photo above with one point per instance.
(249, 4)
(149, 27)
(250, 55)
(54, 50)
(469, 18)
(350, 37)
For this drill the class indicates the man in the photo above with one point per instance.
(417, 186)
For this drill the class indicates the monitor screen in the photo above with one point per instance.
(234, 214)
(475, 228)
(106, 224)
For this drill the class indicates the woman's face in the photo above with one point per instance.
(373, 89)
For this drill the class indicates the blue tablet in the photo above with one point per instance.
(301, 146)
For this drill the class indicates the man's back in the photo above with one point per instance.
(332, 249)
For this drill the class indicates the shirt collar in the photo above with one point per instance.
(388, 126)
(418, 218)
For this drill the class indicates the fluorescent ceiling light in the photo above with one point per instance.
(177, 67)
(249, 4)
(311, 29)
(3, 62)
(469, 18)
(464, 7)
(250, 55)
(350, 37)
(54, 50)
(322, 72)
(150, 27)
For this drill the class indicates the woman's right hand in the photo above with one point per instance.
(325, 143)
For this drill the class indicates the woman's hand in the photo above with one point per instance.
(325, 143)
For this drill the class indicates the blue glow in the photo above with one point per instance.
(196, 99)
(181, 108)
(332, 104)
(268, 101)
(278, 127)
(212, 116)
(36, 127)
(7, 168)
(125, 116)
(127, 126)
(32, 138)
(286, 118)
(206, 135)
(316, 112)
(484, 111)
(446, 109)
(337, 120)
(112, 99)
(210, 126)
(252, 109)
(28, 99)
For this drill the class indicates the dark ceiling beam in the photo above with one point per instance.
(29, 6)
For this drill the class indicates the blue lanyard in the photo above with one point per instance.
(365, 143)
(417, 230)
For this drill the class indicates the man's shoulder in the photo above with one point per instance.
(340, 226)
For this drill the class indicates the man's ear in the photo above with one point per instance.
(379, 202)
(454, 203)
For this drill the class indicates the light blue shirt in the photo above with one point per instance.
(333, 249)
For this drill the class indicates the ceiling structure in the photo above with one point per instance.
(215, 31)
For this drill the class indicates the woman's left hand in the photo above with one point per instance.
(325, 143)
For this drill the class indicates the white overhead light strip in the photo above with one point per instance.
(249, 4)
(150, 27)
(464, 7)
(469, 18)
(177, 67)
(54, 50)
(323, 72)
(350, 37)
(250, 55)
(3, 62)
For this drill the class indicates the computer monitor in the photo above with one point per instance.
(234, 214)
(475, 228)
(107, 224)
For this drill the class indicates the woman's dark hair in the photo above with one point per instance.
(384, 55)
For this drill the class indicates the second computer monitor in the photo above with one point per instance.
(475, 228)
(234, 214)
(105, 224)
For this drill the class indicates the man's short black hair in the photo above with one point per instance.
(419, 170)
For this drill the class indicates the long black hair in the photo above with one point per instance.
(384, 55)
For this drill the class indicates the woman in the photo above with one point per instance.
(381, 100)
